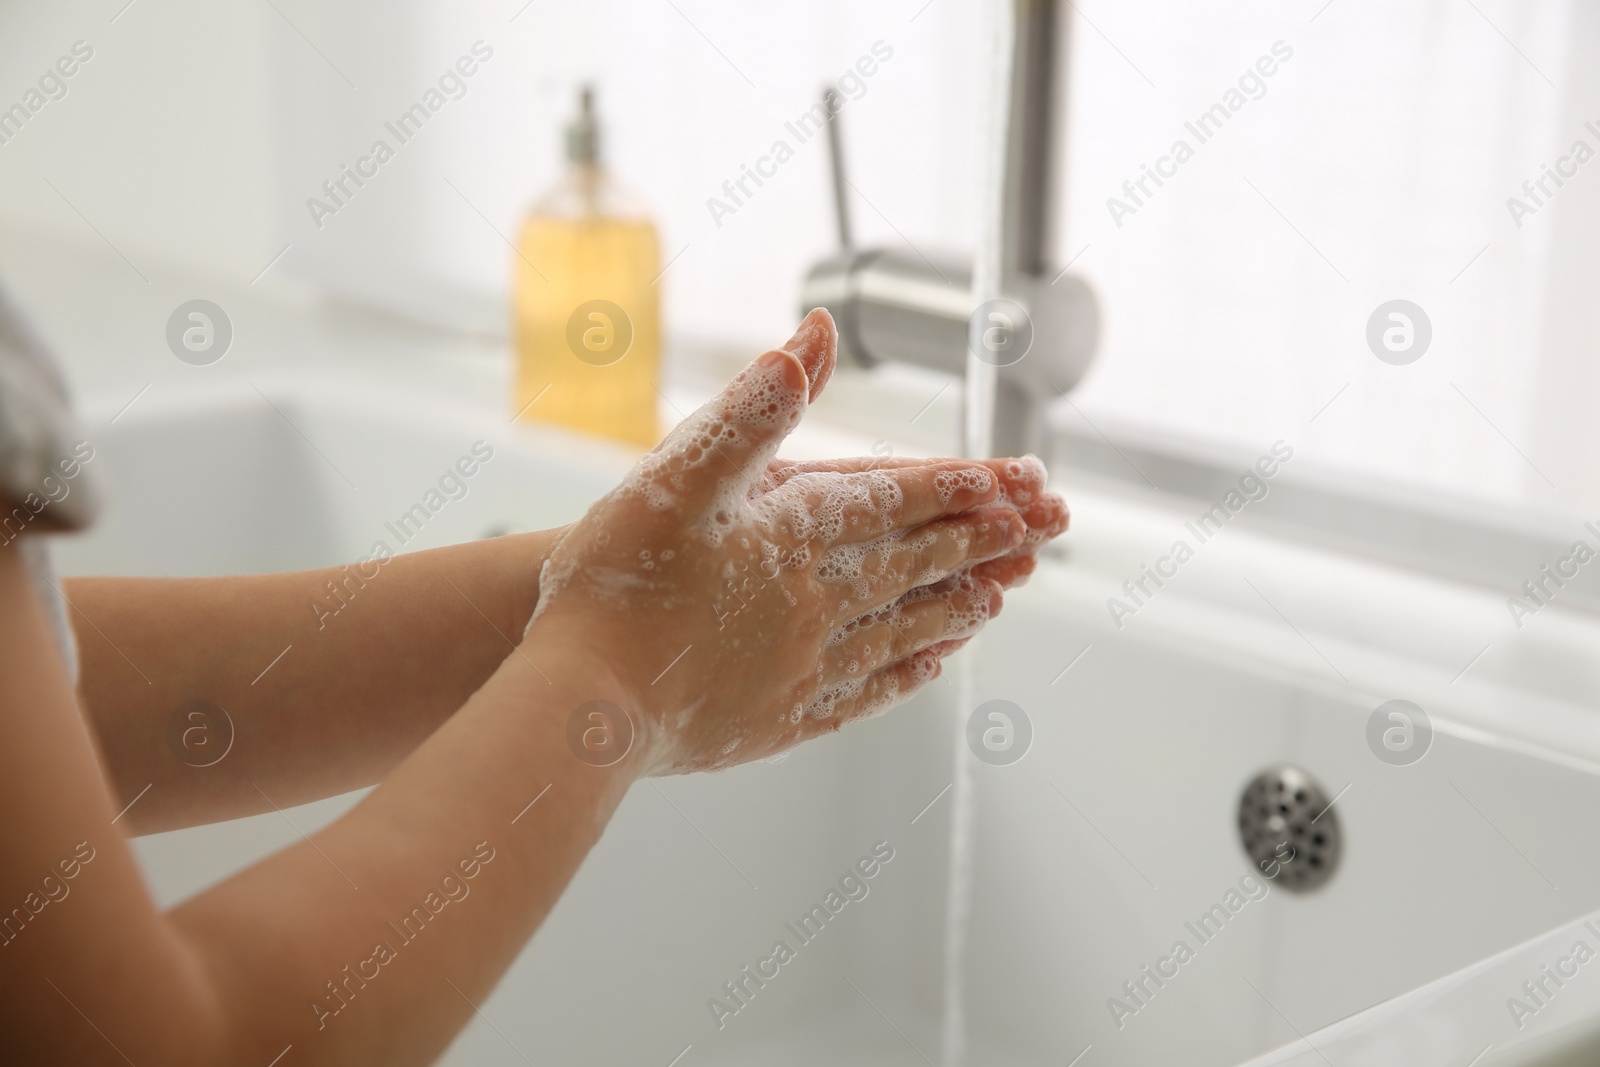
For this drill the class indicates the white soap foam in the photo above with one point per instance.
(811, 334)
(968, 606)
(884, 695)
(816, 506)
(757, 400)
(975, 479)
(866, 563)
(966, 611)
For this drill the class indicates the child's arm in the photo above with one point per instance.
(315, 703)
(92, 973)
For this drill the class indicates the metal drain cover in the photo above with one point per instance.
(1289, 830)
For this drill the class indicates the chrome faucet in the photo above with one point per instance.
(896, 305)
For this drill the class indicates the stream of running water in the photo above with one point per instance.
(977, 443)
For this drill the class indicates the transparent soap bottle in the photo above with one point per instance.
(587, 314)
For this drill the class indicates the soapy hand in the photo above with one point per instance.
(733, 605)
(1021, 486)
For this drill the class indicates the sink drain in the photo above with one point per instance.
(1288, 829)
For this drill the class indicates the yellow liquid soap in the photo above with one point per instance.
(587, 312)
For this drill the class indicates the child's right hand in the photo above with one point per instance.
(732, 606)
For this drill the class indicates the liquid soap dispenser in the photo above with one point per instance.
(587, 312)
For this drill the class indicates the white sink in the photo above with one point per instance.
(1091, 853)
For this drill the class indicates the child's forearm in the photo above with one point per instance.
(226, 696)
(374, 944)
(363, 944)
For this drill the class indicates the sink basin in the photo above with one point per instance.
(1093, 854)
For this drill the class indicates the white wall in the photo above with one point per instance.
(1377, 165)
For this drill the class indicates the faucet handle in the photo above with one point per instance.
(894, 306)
(833, 103)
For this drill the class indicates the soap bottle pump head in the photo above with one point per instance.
(583, 133)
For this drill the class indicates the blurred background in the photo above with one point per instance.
(1376, 166)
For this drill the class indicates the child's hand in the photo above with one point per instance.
(1022, 484)
(732, 606)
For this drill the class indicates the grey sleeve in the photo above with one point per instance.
(44, 484)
